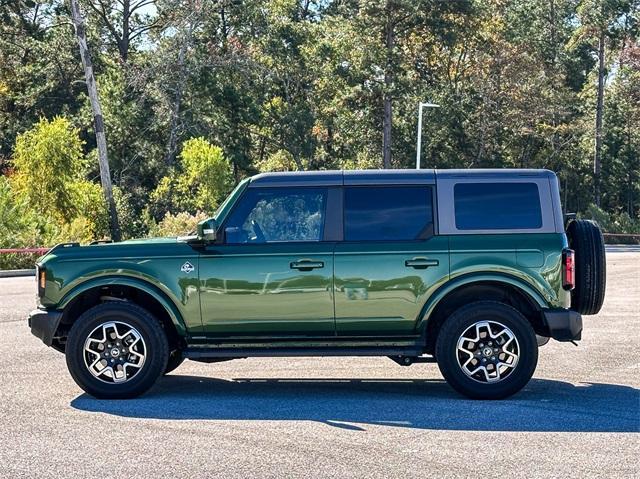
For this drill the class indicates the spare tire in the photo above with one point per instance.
(586, 239)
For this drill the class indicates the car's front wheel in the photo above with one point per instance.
(116, 350)
(487, 350)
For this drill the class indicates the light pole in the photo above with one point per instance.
(420, 106)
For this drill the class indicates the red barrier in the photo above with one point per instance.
(23, 250)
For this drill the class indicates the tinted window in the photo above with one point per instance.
(387, 213)
(497, 206)
(267, 215)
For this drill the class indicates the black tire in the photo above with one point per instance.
(586, 239)
(462, 319)
(175, 360)
(129, 314)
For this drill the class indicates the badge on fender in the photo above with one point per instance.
(187, 268)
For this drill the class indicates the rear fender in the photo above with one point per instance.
(462, 281)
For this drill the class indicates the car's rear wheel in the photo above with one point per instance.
(586, 239)
(487, 350)
(116, 350)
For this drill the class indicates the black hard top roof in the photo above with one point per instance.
(384, 177)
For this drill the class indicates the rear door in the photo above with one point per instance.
(273, 273)
(390, 260)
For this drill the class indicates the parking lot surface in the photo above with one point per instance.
(330, 417)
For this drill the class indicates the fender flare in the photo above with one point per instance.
(146, 287)
(470, 279)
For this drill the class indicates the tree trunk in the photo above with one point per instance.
(386, 133)
(101, 141)
(388, 82)
(597, 157)
(123, 45)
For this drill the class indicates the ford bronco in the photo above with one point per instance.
(472, 269)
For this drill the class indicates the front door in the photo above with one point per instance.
(272, 274)
(389, 262)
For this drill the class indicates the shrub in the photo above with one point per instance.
(201, 181)
(48, 160)
(281, 160)
(179, 224)
(19, 225)
(620, 223)
(18, 261)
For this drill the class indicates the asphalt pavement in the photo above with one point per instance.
(329, 417)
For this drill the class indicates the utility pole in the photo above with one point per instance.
(101, 141)
(419, 145)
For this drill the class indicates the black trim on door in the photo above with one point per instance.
(333, 221)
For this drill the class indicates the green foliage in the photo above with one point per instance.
(180, 224)
(91, 210)
(284, 85)
(206, 169)
(281, 160)
(19, 225)
(203, 179)
(22, 227)
(48, 159)
(620, 223)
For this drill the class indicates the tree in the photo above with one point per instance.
(601, 22)
(185, 40)
(324, 84)
(200, 183)
(48, 159)
(38, 69)
(126, 21)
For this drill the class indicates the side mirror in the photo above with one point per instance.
(207, 230)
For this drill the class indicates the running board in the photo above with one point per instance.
(221, 352)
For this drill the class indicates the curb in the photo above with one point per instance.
(13, 273)
(622, 248)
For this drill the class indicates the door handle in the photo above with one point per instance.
(421, 263)
(306, 264)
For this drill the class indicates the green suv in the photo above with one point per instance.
(472, 269)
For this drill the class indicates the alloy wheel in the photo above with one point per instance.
(114, 352)
(488, 351)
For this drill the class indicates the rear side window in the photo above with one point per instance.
(395, 213)
(497, 206)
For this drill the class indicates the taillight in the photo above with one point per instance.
(568, 269)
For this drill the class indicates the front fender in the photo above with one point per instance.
(167, 304)
(465, 280)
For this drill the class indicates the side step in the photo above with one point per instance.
(218, 352)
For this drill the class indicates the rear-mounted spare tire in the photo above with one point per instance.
(586, 239)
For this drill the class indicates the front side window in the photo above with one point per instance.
(497, 206)
(269, 215)
(393, 213)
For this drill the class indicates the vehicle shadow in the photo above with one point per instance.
(544, 405)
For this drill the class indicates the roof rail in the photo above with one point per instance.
(102, 241)
(64, 245)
